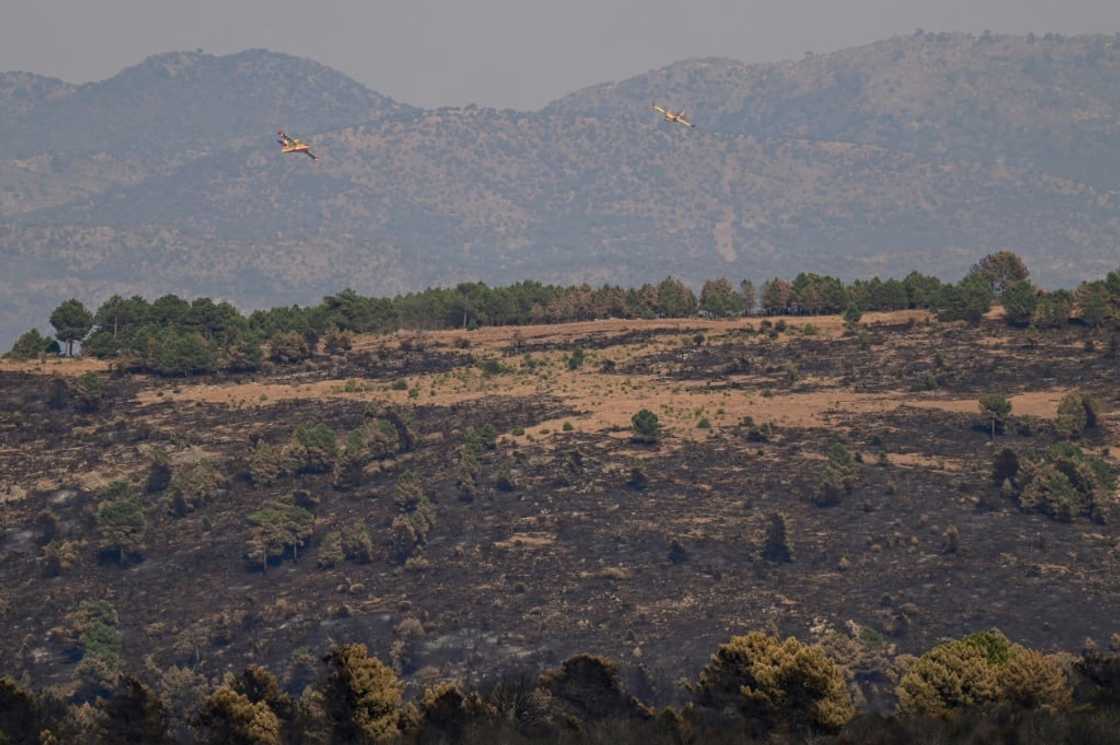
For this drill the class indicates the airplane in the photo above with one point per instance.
(676, 117)
(293, 145)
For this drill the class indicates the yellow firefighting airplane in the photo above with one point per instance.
(676, 117)
(293, 145)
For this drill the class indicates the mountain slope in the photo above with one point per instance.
(919, 152)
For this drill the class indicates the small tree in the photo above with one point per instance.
(719, 299)
(1000, 270)
(995, 409)
(29, 346)
(1076, 413)
(120, 521)
(277, 528)
(1019, 301)
(747, 292)
(646, 428)
(1053, 309)
(777, 547)
(72, 322)
(288, 346)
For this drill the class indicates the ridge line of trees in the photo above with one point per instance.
(173, 336)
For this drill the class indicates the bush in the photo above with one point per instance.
(995, 409)
(357, 544)
(268, 464)
(777, 547)
(337, 342)
(575, 361)
(979, 670)
(194, 486)
(330, 551)
(1053, 310)
(646, 428)
(243, 356)
(288, 346)
(277, 528)
(313, 448)
(1032, 680)
(839, 477)
(1076, 413)
(88, 392)
(120, 522)
(30, 345)
(1065, 483)
(967, 301)
(1019, 301)
(776, 684)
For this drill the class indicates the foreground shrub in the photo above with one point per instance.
(979, 670)
(362, 697)
(776, 683)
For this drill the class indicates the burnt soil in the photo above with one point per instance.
(575, 557)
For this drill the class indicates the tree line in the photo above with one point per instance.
(174, 336)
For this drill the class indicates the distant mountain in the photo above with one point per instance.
(920, 152)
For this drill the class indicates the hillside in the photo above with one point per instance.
(470, 503)
(913, 153)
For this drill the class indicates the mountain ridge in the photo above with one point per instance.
(919, 152)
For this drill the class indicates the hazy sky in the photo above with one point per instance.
(517, 53)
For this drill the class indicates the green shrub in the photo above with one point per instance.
(244, 355)
(1064, 483)
(777, 547)
(194, 486)
(357, 545)
(646, 428)
(313, 448)
(1019, 301)
(288, 347)
(330, 552)
(268, 464)
(1053, 310)
(88, 392)
(839, 477)
(575, 361)
(120, 521)
(276, 529)
(30, 345)
(336, 341)
(1077, 412)
(995, 409)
